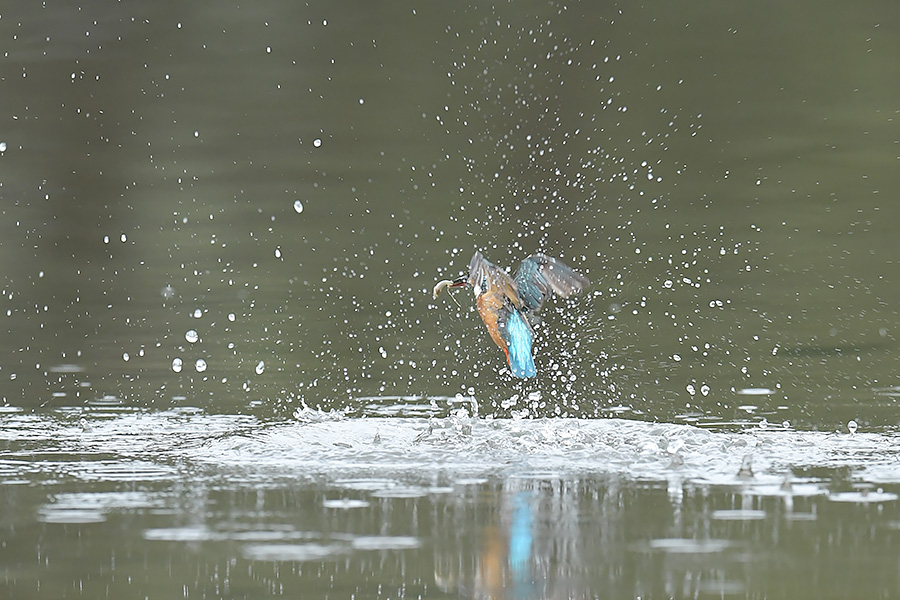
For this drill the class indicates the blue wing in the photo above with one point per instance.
(540, 275)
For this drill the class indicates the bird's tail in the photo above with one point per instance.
(518, 346)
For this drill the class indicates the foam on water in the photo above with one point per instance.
(405, 456)
(762, 462)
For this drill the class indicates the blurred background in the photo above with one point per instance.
(245, 207)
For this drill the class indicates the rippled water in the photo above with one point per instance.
(444, 502)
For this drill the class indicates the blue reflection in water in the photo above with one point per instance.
(520, 543)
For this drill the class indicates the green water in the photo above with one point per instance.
(238, 211)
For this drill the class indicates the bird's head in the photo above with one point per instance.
(483, 276)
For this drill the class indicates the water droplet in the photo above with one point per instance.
(177, 364)
(192, 336)
(317, 142)
(231, 317)
(125, 357)
(277, 252)
(676, 357)
(168, 292)
(197, 313)
(298, 206)
(852, 426)
(260, 368)
(690, 389)
(2, 146)
(704, 389)
(200, 365)
(123, 237)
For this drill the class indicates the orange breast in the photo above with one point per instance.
(489, 306)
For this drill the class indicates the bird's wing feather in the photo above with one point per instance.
(495, 278)
(539, 275)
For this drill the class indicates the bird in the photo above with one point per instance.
(506, 303)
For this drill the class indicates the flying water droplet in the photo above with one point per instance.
(177, 364)
(298, 206)
(192, 336)
(200, 365)
(852, 426)
(260, 368)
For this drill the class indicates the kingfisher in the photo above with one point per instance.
(506, 303)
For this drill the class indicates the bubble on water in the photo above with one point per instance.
(739, 514)
(177, 364)
(864, 496)
(298, 206)
(192, 336)
(200, 365)
(260, 367)
(852, 426)
(755, 391)
(197, 313)
(674, 446)
(510, 402)
(345, 503)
